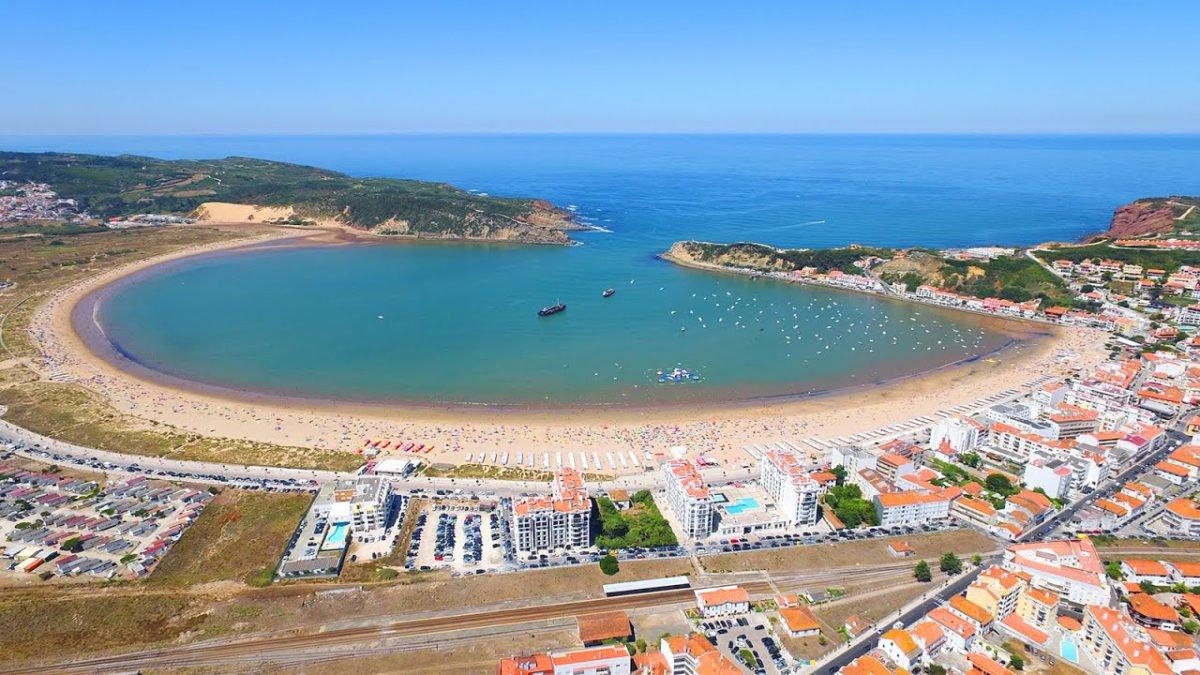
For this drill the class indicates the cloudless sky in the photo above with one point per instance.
(346, 67)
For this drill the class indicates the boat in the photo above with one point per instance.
(552, 309)
(608, 292)
(677, 374)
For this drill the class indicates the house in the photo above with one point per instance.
(723, 601)
(901, 648)
(960, 634)
(1182, 516)
(1149, 612)
(900, 549)
(800, 622)
(970, 612)
(606, 660)
(1138, 570)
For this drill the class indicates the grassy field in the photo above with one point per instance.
(75, 414)
(239, 537)
(962, 542)
(472, 471)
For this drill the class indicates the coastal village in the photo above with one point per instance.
(1042, 470)
(1049, 474)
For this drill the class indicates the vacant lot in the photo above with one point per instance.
(239, 537)
(963, 542)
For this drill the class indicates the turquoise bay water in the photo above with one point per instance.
(458, 321)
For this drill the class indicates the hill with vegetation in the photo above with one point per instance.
(125, 185)
(1168, 260)
(1015, 278)
(763, 258)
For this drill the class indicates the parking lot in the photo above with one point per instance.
(749, 633)
(465, 537)
(783, 540)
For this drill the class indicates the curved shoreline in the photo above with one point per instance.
(87, 327)
(719, 429)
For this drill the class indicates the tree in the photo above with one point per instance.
(935, 669)
(977, 560)
(950, 563)
(609, 565)
(641, 645)
(1147, 587)
(855, 512)
(970, 459)
(1113, 569)
(999, 483)
(839, 472)
(1017, 661)
(1191, 626)
(922, 572)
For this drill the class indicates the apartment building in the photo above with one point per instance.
(784, 477)
(689, 498)
(1069, 567)
(1052, 475)
(559, 521)
(911, 507)
(1118, 646)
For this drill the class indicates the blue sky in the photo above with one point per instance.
(321, 67)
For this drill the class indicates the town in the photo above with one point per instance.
(1043, 471)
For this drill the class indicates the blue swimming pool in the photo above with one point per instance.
(1068, 650)
(743, 504)
(337, 535)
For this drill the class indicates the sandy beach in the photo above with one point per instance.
(719, 432)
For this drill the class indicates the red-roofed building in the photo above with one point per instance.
(559, 521)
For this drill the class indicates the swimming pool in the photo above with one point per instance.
(743, 504)
(1068, 650)
(337, 535)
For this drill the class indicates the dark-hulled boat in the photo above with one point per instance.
(552, 309)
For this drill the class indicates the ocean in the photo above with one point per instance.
(457, 323)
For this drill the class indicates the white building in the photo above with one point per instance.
(560, 521)
(911, 507)
(962, 434)
(1069, 567)
(723, 601)
(789, 483)
(601, 660)
(689, 498)
(1051, 475)
(362, 502)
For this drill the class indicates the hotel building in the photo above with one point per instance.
(362, 502)
(789, 483)
(561, 520)
(689, 498)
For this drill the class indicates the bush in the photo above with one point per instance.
(1000, 484)
(386, 574)
(922, 572)
(609, 565)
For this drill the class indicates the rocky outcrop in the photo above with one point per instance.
(1143, 218)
